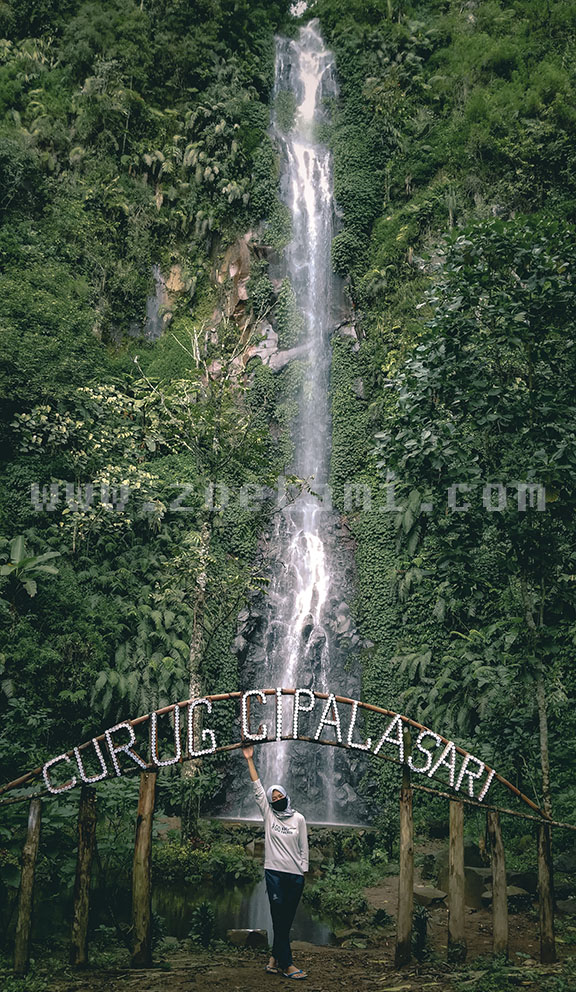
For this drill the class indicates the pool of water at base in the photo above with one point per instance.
(239, 907)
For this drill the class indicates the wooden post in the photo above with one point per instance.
(406, 878)
(545, 896)
(86, 841)
(499, 886)
(26, 894)
(141, 884)
(456, 907)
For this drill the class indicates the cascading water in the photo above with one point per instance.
(304, 630)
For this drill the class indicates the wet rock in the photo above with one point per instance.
(346, 794)
(317, 640)
(257, 654)
(342, 623)
(427, 895)
(348, 332)
(307, 625)
(305, 681)
(282, 358)
(248, 938)
(240, 647)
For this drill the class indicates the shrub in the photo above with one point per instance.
(221, 862)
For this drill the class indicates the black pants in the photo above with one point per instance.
(284, 891)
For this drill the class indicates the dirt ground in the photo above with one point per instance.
(329, 970)
(332, 969)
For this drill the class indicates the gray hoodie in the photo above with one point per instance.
(285, 839)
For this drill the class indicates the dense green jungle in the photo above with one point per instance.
(137, 165)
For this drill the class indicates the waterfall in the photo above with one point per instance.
(305, 627)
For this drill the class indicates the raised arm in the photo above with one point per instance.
(259, 794)
(248, 753)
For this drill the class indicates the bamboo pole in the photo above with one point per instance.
(499, 885)
(80, 912)
(406, 877)
(141, 872)
(546, 896)
(26, 894)
(457, 948)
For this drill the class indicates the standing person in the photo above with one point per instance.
(285, 861)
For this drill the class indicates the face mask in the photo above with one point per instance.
(280, 804)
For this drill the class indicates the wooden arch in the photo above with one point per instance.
(425, 753)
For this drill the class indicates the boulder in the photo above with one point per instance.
(278, 360)
(348, 332)
(473, 856)
(566, 862)
(307, 625)
(248, 938)
(527, 879)
(342, 623)
(427, 895)
(518, 899)
(475, 880)
(567, 906)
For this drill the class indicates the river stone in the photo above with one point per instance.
(248, 938)
(427, 895)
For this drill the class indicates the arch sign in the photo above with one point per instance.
(182, 731)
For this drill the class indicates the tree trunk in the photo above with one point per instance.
(499, 887)
(456, 912)
(141, 872)
(545, 896)
(80, 912)
(406, 878)
(26, 895)
(544, 749)
(190, 810)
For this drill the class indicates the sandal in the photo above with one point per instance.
(270, 970)
(295, 974)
